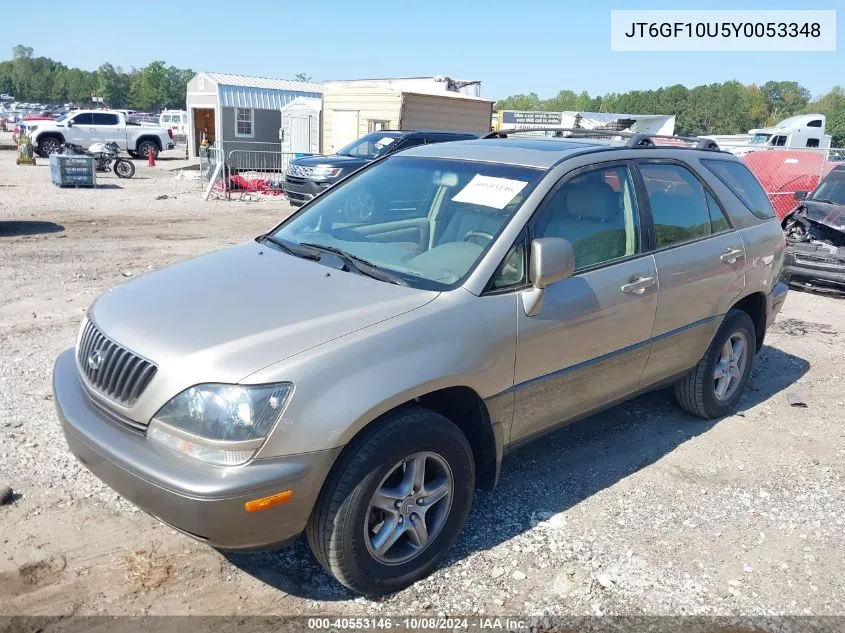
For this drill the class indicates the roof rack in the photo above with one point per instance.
(634, 139)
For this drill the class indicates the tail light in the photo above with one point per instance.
(170, 132)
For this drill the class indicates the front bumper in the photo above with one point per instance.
(808, 265)
(298, 191)
(203, 501)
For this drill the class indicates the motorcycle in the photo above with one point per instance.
(106, 158)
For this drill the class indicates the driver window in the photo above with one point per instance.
(597, 212)
(85, 118)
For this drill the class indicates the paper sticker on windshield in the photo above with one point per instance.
(385, 141)
(490, 191)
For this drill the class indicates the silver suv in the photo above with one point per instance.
(356, 381)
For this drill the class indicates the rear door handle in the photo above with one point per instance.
(731, 255)
(637, 286)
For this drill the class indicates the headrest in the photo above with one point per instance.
(592, 202)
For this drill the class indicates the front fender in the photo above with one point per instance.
(456, 340)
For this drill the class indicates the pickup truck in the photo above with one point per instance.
(85, 127)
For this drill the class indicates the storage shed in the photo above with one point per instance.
(239, 111)
(355, 109)
(301, 120)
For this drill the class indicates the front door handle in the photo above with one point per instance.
(637, 286)
(731, 255)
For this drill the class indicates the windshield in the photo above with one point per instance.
(832, 188)
(427, 220)
(63, 117)
(759, 139)
(369, 146)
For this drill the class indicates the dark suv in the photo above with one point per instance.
(310, 176)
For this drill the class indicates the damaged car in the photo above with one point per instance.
(815, 235)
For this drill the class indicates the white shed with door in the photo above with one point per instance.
(301, 121)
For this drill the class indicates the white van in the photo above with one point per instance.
(176, 120)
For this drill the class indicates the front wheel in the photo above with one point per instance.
(124, 168)
(49, 146)
(715, 385)
(394, 503)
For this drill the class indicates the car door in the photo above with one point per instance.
(700, 263)
(588, 344)
(107, 128)
(82, 131)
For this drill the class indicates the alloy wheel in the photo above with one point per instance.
(409, 508)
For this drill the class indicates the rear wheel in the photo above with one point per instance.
(712, 389)
(394, 503)
(145, 147)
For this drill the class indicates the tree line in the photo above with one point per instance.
(43, 80)
(720, 108)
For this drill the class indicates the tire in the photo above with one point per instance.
(697, 392)
(343, 527)
(50, 145)
(124, 168)
(145, 147)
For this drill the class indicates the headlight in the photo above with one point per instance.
(220, 424)
(324, 171)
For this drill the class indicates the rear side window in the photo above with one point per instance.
(742, 183)
(104, 118)
(678, 204)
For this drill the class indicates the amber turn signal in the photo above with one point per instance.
(268, 502)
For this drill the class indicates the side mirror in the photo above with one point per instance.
(552, 259)
(70, 122)
(800, 195)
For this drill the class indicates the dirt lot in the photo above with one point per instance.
(640, 510)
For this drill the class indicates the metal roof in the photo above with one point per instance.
(262, 93)
(528, 151)
(244, 81)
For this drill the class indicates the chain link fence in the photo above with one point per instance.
(785, 171)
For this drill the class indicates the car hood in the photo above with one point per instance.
(223, 316)
(332, 160)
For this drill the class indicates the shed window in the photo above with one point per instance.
(378, 126)
(244, 122)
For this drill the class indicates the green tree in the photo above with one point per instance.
(784, 98)
(302, 77)
(832, 106)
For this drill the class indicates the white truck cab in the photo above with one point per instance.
(796, 132)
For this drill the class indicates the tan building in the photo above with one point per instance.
(353, 109)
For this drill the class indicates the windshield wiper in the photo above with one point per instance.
(825, 200)
(288, 247)
(358, 264)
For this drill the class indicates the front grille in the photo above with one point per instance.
(111, 369)
(298, 171)
(293, 180)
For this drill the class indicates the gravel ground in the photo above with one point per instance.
(639, 510)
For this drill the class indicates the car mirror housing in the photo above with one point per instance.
(800, 195)
(552, 259)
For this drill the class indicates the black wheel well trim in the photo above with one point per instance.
(155, 140)
(51, 134)
(754, 305)
(465, 409)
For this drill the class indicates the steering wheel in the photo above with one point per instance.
(470, 235)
